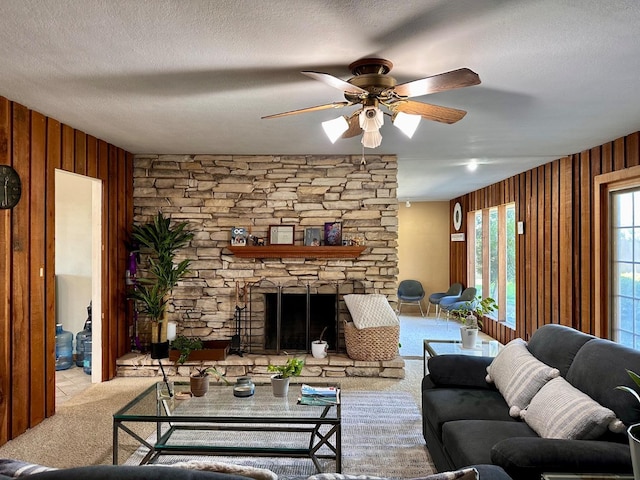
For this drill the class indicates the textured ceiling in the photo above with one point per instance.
(195, 76)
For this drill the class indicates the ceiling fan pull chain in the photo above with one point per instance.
(363, 161)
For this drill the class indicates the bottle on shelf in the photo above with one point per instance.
(64, 348)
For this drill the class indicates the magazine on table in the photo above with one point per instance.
(319, 396)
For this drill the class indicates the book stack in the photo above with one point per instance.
(319, 396)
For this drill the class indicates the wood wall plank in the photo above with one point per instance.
(20, 301)
(37, 328)
(5, 281)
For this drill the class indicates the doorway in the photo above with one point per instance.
(78, 258)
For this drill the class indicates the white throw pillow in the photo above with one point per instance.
(559, 410)
(518, 375)
(372, 310)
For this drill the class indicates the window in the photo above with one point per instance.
(625, 267)
(492, 255)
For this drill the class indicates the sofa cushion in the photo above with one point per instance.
(126, 472)
(469, 442)
(560, 410)
(557, 345)
(371, 310)
(518, 375)
(442, 405)
(599, 367)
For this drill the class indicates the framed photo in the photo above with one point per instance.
(281, 234)
(312, 237)
(239, 236)
(333, 233)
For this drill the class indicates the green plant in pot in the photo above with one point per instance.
(633, 432)
(161, 241)
(470, 315)
(283, 373)
(199, 380)
(185, 345)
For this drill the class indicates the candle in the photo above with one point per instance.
(171, 330)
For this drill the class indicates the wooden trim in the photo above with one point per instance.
(293, 251)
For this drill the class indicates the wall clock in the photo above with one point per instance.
(457, 216)
(10, 187)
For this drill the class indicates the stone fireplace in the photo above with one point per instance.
(215, 193)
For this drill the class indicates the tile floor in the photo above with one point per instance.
(70, 382)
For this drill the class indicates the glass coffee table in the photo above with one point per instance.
(432, 348)
(217, 424)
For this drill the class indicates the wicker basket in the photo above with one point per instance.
(373, 343)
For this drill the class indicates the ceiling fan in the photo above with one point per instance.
(372, 87)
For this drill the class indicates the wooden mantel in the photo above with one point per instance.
(296, 251)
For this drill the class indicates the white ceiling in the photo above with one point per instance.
(195, 76)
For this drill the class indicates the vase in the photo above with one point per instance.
(199, 385)
(280, 386)
(319, 349)
(469, 337)
(634, 445)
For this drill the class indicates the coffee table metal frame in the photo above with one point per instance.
(266, 422)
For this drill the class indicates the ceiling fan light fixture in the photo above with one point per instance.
(406, 122)
(371, 139)
(371, 119)
(335, 128)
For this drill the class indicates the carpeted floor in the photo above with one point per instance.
(381, 436)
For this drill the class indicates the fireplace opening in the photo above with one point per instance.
(299, 327)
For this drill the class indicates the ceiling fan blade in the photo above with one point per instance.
(336, 82)
(309, 109)
(428, 111)
(354, 126)
(462, 77)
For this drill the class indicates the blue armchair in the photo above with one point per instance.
(434, 299)
(449, 304)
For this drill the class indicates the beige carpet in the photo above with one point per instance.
(80, 433)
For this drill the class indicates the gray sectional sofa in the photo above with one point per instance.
(467, 420)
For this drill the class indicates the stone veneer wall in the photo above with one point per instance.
(217, 192)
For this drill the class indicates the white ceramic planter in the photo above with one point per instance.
(319, 348)
(634, 444)
(469, 337)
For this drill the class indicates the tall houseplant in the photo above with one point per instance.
(162, 241)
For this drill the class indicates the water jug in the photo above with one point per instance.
(86, 367)
(81, 338)
(64, 348)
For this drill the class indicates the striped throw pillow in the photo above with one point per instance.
(559, 410)
(518, 375)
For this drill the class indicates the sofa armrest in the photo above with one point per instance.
(527, 457)
(459, 371)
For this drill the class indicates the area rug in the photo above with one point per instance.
(381, 436)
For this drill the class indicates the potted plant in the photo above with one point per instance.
(470, 315)
(199, 380)
(185, 345)
(633, 432)
(319, 347)
(161, 240)
(283, 373)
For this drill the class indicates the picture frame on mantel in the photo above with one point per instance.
(312, 237)
(281, 234)
(333, 233)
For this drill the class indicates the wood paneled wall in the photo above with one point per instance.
(554, 258)
(35, 146)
